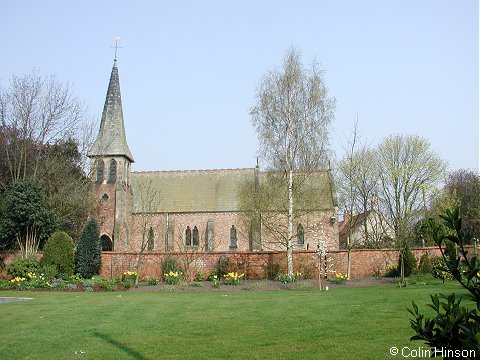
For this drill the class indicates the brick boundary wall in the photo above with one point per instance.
(365, 263)
(255, 265)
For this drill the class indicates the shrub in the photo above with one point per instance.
(25, 213)
(200, 276)
(272, 271)
(454, 327)
(425, 265)
(59, 251)
(285, 279)
(172, 277)
(450, 251)
(150, 281)
(110, 284)
(89, 250)
(213, 275)
(232, 278)
(129, 278)
(339, 278)
(214, 279)
(170, 265)
(409, 261)
(75, 279)
(392, 271)
(440, 270)
(48, 271)
(21, 267)
(222, 266)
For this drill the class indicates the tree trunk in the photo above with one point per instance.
(290, 225)
(349, 258)
(402, 268)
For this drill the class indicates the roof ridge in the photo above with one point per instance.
(218, 170)
(189, 171)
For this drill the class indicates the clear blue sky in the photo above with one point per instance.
(189, 69)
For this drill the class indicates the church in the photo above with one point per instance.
(192, 210)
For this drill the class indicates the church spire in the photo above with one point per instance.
(111, 139)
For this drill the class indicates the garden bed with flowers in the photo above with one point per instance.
(173, 281)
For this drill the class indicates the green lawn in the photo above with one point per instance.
(342, 323)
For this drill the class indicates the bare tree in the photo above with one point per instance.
(191, 249)
(264, 205)
(292, 118)
(350, 168)
(36, 111)
(407, 170)
(146, 223)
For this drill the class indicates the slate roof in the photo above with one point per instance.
(194, 191)
(111, 139)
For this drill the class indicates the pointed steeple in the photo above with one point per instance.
(111, 139)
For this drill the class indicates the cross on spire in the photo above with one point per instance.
(117, 39)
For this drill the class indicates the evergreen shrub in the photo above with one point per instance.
(59, 252)
(170, 265)
(21, 267)
(88, 258)
(409, 261)
(425, 265)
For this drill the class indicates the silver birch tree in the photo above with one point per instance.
(292, 117)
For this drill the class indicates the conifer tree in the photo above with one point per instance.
(88, 257)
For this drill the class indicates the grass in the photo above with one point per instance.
(342, 323)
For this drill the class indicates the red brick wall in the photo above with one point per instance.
(364, 263)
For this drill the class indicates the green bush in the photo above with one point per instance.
(59, 251)
(222, 266)
(440, 270)
(425, 265)
(88, 258)
(409, 261)
(453, 327)
(272, 271)
(392, 271)
(172, 277)
(285, 279)
(450, 251)
(170, 265)
(49, 271)
(25, 211)
(21, 267)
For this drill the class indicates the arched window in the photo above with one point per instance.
(210, 234)
(170, 235)
(233, 237)
(112, 173)
(300, 235)
(107, 244)
(150, 239)
(255, 235)
(196, 237)
(188, 236)
(100, 169)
